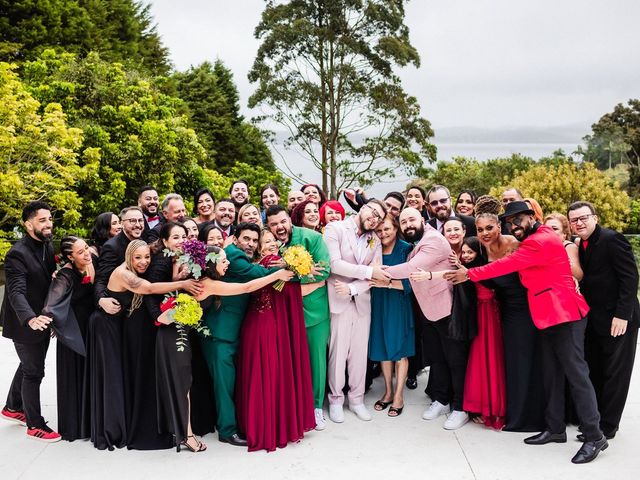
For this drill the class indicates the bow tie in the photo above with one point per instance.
(153, 219)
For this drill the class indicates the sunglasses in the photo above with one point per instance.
(442, 201)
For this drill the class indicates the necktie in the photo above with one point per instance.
(153, 219)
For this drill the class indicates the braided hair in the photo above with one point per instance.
(128, 258)
(487, 204)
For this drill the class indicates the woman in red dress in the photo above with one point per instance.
(485, 387)
(274, 396)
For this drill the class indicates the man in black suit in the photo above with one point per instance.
(173, 210)
(610, 286)
(439, 205)
(225, 215)
(29, 265)
(112, 255)
(148, 203)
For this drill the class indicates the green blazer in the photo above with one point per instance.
(225, 321)
(316, 304)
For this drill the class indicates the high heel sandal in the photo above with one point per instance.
(200, 447)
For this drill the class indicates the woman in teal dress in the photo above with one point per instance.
(392, 336)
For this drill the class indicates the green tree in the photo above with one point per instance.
(615, 139)
(121, 30)
(556, 186)
(214, 110)
(325, 71)
(40, 155)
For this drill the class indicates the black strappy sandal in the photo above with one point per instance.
(379, 406)
(201, 447)
(396, 411)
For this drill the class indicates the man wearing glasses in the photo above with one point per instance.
(610, 286)
(356, 257)
(112, 255)
(439, 205)
(559, 312)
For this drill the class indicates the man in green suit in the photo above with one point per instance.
(314, 298)
(224, 322)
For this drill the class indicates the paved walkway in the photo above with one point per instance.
(385, 448)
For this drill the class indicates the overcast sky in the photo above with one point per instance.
(485, 63)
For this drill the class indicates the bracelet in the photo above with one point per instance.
(430, 276)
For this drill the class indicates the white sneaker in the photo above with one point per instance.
(336, 413)
(320, 421)
(455, 420)
(435, 410)
(361, 412)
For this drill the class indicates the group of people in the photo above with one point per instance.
(509, 308)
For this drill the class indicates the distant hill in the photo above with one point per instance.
(553, 134)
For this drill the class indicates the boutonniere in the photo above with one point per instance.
(85, 279)
(371, 243)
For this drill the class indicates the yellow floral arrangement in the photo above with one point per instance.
(298, 260)
(186, 312)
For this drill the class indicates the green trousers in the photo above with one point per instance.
(220, 356)
(318, 338)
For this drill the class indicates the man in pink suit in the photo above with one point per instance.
(356, 257)
(560, 314)
(448, 356)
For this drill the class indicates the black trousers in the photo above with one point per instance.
(563, 361)
(448, 362)
(610, 361)
(24, 393)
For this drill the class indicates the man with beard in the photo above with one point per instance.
(610, 287)
(225, 215)
(220, 350)
(439, 205)
(239, 193)
(173, 210)
(148, 203)
(560, 314)
(356, 257)
(112, 255)
(314, 298)
(295, 198)
(28, 266)
(448, 357)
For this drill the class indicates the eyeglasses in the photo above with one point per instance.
(581, 219)
(134, 220)
(517, 221)
(375, 213)
(442, 201)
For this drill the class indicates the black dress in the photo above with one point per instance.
(71, 300)
(139, 361)
(523, 363)
(104, 375)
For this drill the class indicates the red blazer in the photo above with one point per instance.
(545, 271)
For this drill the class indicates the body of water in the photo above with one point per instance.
(291, 161)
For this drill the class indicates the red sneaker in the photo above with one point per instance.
(44, 434)
(17, 416)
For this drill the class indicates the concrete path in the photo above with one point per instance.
(385, 448)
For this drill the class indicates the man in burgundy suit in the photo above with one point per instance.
(560, 313)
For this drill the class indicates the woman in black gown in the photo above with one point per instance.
(70, 304)
(104, 345)
(523, 365)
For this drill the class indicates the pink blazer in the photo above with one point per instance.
(431, 253)
(341, 240)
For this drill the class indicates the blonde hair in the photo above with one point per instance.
(246, 207)
(128, 259)
(566, 231)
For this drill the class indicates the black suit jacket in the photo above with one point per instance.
(469, 224)
(610, 282)
(28, 267)
(111, 255)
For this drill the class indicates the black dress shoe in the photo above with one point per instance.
(411, 383)
(608, 436)
(546, 437)
(590, 450)
(235, 440)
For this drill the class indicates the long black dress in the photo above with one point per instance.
(104, 374)
(523, 364)
(71, 300)
(139, 344)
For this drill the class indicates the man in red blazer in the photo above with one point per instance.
(560, 313)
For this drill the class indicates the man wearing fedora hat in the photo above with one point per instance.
(560, 314)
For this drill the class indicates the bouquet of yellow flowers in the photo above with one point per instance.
(298, 260)
(186, 312)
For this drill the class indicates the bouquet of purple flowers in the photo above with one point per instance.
(193, 254)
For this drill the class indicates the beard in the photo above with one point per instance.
(443, 214)
(43, 237)
(414, 235)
